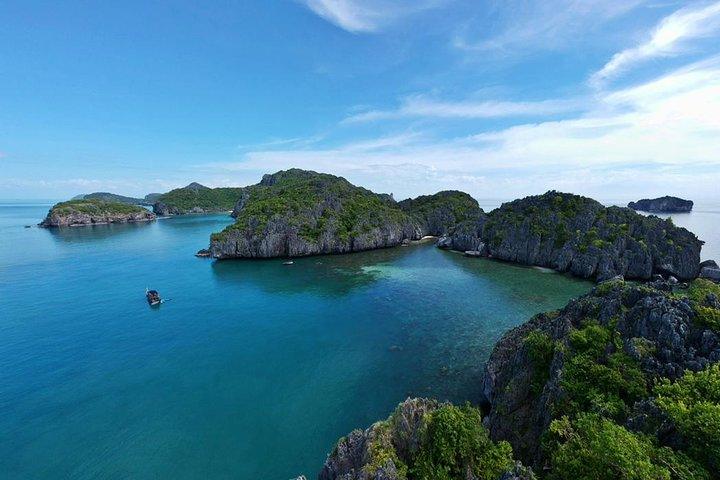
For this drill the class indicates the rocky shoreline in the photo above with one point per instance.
(86, 212)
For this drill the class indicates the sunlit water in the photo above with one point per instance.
(252, 370)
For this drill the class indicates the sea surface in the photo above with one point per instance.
(252, 369)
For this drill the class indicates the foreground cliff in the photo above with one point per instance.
(196, 198)
(298, 213)
(662, 205)
(623, 383)
(575, 234)
(94, 212)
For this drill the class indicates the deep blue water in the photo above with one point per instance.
(251, 371)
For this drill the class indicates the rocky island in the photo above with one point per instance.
(196, 198)
(575, 234)
(664, 204)
(148, 200)
(298, 213)
(621, 383)
(94, 212)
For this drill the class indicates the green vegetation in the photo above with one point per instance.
(454, 440)
(448, 207)
(381, 450)
(112, 197)
(693, 404)
(598, 376)
(314, 203)
(594, 448)
(94, 207)
(541, 349)
(706, 314)
(196, 196)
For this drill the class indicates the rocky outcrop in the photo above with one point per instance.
(651, 329)
(570, 233)
(662, 205)
(298, 213)
(196, 198)
(389, 450)
(94, 212)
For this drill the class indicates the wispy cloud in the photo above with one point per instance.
(423, 106)
(532, 25)
(668, 128)
(364, 16)
(667, 39)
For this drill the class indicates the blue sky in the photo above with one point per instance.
(613, 99)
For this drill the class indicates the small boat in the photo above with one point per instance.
(153, 297)
(288, 262)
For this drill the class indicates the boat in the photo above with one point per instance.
(288, 262)
(153, 297)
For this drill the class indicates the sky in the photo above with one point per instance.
(501, 99)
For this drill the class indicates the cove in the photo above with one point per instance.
(252, 369)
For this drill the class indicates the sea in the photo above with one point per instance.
(251, 369)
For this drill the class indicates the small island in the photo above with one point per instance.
(148, 200)
(196, 198)
(664, 204)
(84, 212)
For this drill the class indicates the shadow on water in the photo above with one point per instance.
(331, 275)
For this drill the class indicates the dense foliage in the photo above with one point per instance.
(453, 441)
(112, 197)
(441, 212)
(196, 196)
(94, 207)
(705, 295)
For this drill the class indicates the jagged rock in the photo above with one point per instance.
(656, 328)
(82, 212)
(520, 472)
(203, 252)
(709, 264)
(575, 234)
(710, 273)
(664, 204)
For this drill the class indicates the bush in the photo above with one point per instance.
(454, 440)
(595, 448)
(541, 349)
(693, 404)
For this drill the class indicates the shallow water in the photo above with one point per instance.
(252, 369)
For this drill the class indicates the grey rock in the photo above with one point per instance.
(709, 264)
(711, 273)
(665, 204)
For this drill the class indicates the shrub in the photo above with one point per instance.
(541, 349)
(693, 404)
(454, 440)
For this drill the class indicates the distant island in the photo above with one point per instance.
(664, 204)
(298, 213)
(196, 198)
(148, 200)
(621, 383)
(94, 212)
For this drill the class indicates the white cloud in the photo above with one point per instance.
(630, 140)
(364, 16)
(422, 106)
(667, 39)
(533, 25)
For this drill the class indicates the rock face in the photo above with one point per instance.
(299, 213)
(642, 328)
(662, 205)
(94, 212)
(570, 233)
(196, 198)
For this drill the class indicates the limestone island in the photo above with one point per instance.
(622, 383)
(196, 198)
(83, 212)
(148, 200)
(664, 204)
(297, 213)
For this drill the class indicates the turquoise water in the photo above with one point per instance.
(251, 371)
